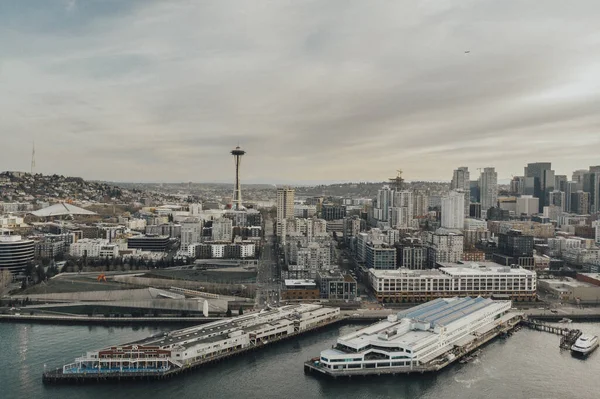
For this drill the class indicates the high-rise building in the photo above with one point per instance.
(557, 198)
(461, 181)
(591, 185)
(475, 191)
(578, 177)
(541, 181)
(517, 184)
(580, 202)
(420, 204)
(571, 188)
(401, 212)
(453, 216)
(191, 233)
(383, 204)
(488, 185)
(285, 209)
(560, 182)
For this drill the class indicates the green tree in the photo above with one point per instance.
(228, 313)
(241, 311)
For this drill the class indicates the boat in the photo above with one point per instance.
(585, 345)
(565, 320)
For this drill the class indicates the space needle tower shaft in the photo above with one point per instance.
(237, 153)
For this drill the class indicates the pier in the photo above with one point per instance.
(164, 355)
(568, 336)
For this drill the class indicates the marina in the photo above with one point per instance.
(164, 355)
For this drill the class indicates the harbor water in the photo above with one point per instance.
(527, 365)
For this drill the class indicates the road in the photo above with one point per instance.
(267, 279)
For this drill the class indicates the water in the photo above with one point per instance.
(527, 365)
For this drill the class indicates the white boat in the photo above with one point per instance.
(585, 345)
(565, 320)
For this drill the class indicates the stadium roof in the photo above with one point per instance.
(62, 209)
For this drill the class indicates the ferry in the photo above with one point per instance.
(585, 345)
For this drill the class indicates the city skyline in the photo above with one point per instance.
(109, 93)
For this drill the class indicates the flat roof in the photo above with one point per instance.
(299, 283)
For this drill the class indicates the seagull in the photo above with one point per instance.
(467, 52)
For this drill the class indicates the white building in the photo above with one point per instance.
(94, 248)
(305, 211)
(417, 336)
(453, 210)
(474, 279)
(527, 205)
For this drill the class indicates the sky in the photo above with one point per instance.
(314, 91)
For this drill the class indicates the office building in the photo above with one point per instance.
(527, 205)
(558, 199)
(560, 182)
(380, 256)
(335, 286)
(420, 204)
(401, 212)
(488, 185)
(580, 203)
(15, 253)
(453, 210)
(540, 183)
(333, 212)
(591, 185)
(475, 210)
(152, 243)
(470, 279)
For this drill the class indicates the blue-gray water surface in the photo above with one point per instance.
(527, 365)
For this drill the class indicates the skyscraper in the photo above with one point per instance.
(453, 206)
(488, 185)
(285, 209)
(591, 185)
(461, 181)
(542, 180)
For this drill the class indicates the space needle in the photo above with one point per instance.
(237, 153)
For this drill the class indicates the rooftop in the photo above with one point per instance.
(62, 209)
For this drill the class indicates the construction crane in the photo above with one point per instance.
(398, 181)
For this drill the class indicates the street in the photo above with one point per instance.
(267, 278)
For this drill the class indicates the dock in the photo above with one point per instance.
(568, 336)
(161, 356)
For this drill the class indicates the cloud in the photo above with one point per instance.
(316, 90)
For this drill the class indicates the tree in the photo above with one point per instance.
(241, 311)
(228, 313)
(5, 280)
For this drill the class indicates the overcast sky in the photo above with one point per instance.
(312, 90)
